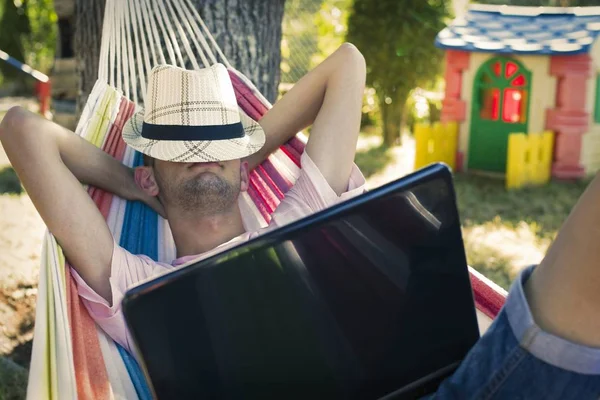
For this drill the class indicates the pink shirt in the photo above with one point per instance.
(310, 194)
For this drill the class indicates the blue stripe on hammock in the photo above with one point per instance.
(140, 226)
(137, 378)
(139, 236)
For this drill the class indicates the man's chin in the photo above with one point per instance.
(205, 179)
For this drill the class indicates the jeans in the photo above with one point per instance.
(516, 359)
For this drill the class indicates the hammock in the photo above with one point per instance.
(72, 357)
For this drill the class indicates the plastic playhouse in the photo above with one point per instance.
(524, 70)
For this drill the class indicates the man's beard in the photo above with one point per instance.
(207, 195)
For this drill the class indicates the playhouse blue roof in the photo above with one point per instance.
(523, 30)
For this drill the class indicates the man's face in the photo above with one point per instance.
(207, 188)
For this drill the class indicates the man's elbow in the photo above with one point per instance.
(14, 118)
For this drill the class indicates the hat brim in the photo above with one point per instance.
(195, 150)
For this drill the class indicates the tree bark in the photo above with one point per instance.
(89, 15)
(248, 32)
(391, 118)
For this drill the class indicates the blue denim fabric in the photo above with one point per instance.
(515, 359)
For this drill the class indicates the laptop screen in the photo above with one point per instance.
(354, 302)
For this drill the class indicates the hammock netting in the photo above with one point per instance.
(72, 357)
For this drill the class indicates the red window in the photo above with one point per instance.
(497, 68)
(511, 68)
(512, 109)
(518, 81)
(490, 105)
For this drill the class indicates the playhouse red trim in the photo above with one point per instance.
(569, 119)
(453, 107)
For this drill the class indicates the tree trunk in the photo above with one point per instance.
(391, 118)
(86, 45)
(14, 25)
(248, 32)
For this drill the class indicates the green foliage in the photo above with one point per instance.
(13, 380)
(299, 39)
(312, 29)
(14, 26)
(28, 33)
(9, 181)
(543, 3)
(370, 110)
(40, 44)
(332, 26)
(397, 40)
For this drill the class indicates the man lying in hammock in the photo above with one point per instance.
(198, 158)
(199, 147)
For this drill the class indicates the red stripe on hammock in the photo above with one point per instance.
(115, 146)
(267, 196)
(247, 107)
(127, 108)
(248, 101)
(260, 170)
(100, 197)
(290, 153)
(91, 376)
(244, 94)
(259, 202)
(488, 300)
(297, 144)
(282, 183)
(247, 104)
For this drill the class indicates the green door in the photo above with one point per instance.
(500, 107)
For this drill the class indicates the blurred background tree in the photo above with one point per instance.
(40, 43)
(397, 40)
(312, 29)
(14, 25)
(299, 40)
(27, 33)
(543, 3)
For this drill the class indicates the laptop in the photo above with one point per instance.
(368, 299)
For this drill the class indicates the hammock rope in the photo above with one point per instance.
(139, 33)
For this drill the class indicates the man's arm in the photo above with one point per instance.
(51, 162)
(564, 290)
(330, 99)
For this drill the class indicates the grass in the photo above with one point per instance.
(484, 204)
(9, 182)
(373, 160)
(543, 208)
(13, 380)
(491, 262)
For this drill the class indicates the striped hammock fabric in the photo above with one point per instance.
(72, 358)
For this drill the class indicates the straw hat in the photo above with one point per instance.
(192, 116)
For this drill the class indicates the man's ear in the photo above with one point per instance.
(244, 176)
(144, 177)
